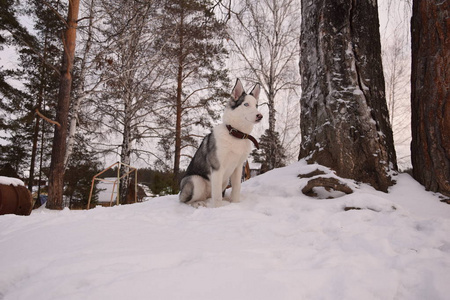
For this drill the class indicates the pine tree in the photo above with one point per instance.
(344, 116)
(430, 105)
(44, 87)
(37, 71)
(83, 166)
(11, 154)
(271, 154)
(12, 34)
(56, 176)
(192, 41)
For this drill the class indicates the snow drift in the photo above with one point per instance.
(276, 244)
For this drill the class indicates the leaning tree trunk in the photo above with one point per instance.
(430, 101)
(56, 178)
(344, 116)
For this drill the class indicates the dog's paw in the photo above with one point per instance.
(233, 200)
(213, 204)
(198, 204)
(216, 203)
(220, 203)
(226, 198)
(230, 200)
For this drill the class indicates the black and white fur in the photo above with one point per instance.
(220, 156)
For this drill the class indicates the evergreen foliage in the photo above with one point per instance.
(37, 71)
(154, 80)
(82, 168)
(271, 154)
(191, 38)
(159, 182)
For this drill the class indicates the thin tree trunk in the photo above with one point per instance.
(176, 167)
(344, 116)
(34, 151)
(37, 118)
(41, 158)
(430, 100)
(179, 110)
(125, 155)
(56, 178)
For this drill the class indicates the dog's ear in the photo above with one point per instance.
(255, 91)
(238, 90)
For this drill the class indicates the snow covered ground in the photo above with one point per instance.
(276, 244)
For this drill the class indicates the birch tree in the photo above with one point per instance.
(264, 38)
(133, 74)
(397, 61)
(81, 91)
(344, 116)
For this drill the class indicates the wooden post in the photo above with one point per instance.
(118, 183)
(112, 193)
(90, 193)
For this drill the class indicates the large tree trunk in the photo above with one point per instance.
(56, 178)
(80, 92)
(344, 116)
(430, 101)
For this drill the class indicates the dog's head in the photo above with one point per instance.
(242, 110)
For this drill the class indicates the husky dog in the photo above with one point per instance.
(222, 153)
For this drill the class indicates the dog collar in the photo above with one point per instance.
(240, 135)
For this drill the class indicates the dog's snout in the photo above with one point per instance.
(259, 117)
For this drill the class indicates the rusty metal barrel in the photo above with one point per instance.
(15, 199)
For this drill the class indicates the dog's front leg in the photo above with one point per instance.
(236, 184)
(216, 188)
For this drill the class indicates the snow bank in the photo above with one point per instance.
(276, 244)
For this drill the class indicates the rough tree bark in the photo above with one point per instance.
(80, 93)
(344, 116)
(56, 178)
(430, 101)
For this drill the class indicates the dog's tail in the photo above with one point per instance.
(186, 190)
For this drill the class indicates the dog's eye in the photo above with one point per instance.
(246, 104)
